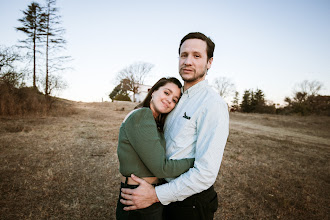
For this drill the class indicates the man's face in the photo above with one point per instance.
(193, 63)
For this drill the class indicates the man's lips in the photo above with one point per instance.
(187, 70)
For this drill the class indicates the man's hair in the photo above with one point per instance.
(197, 35)
(146, 102)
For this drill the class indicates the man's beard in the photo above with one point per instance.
(195, 76)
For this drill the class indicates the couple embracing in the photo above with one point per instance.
(171, 146)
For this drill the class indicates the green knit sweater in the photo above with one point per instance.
(141, 149)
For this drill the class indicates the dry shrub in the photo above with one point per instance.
(29, 101)
(21, 101)
(7, 103)
(61, 107)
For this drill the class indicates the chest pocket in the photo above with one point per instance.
(183, 131)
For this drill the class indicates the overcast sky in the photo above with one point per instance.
(265, 44)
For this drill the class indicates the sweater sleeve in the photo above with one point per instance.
(142, 133)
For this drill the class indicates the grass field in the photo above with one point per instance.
(66, 167)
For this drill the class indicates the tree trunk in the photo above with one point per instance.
(46, 89)
(47, 48)
(34, 57)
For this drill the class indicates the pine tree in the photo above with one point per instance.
(115, 91)
(246, 101)
(235, 105)
(32, 26)
(258, 101)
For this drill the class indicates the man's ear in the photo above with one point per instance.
(209, 63)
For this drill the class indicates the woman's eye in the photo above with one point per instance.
(166, 93)
(175, 101)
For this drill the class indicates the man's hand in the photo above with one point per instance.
(141, 197)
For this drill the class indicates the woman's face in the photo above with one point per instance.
(164, 99)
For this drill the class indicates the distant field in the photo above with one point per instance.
(274, 167)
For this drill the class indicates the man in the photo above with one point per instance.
(197, 128)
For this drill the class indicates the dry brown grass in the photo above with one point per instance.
(274, 167)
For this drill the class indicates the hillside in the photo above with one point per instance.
(66, 167)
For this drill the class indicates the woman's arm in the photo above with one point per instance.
(142, 133)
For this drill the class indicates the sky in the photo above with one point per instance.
(267, 44)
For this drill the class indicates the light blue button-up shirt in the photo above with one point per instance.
(197, 128)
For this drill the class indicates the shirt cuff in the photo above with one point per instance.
(164, 195)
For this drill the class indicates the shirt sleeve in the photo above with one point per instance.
(212, 133)
(141, 130)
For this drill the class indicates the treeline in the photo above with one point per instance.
(254, 102)
(305, 104)
(305, 101)
(39, 54)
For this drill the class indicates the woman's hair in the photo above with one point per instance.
(146, 102)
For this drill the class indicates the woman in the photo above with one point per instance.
(141, 145)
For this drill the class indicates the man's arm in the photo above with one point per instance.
(212, 133)
(212, 137)
(209, 154)
(139, 198)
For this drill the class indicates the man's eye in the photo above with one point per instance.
(197, 56)
(175, 101)
(183, 55)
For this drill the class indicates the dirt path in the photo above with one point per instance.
(278, 132)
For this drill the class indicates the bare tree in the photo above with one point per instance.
(310, 88)
(133, 75)
(9, 74)
(7, 58)
(55, 83)
(306, 99)
(54, 42)
(224, 86)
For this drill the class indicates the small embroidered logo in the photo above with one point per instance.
(186, 117)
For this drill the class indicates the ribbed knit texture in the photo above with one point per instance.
(141, 149)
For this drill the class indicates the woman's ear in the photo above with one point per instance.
(152, 95)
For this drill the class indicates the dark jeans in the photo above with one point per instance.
(201, 206)
(153, 212)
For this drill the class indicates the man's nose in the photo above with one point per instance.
(188, 60)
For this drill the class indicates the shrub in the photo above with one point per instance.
(122, 97)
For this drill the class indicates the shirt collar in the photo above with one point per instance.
(195, 88)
